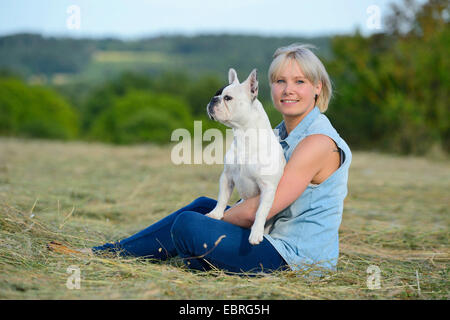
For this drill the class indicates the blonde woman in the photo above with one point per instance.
(309, 200)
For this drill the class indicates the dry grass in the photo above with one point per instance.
(396, 217)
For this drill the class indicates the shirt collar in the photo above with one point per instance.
(299, 129)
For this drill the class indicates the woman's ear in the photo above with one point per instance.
(318, 87)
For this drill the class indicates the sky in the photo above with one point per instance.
(129, 19)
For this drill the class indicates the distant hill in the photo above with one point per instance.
(66, 59)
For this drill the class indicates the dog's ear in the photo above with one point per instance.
(232, 76)
(253, 84)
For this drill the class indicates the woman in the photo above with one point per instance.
(308, 203)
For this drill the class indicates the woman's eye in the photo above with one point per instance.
(300, 81)
(280, 81)
(227, 98)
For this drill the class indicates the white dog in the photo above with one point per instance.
(255, 161)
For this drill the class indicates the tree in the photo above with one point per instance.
(141, 116)
(35, 112)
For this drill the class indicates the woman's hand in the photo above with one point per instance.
(312, 155)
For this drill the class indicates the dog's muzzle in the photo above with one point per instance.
(210, 111)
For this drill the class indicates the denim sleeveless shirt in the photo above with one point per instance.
(306, 232)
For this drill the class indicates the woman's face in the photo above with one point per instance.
(293, 94)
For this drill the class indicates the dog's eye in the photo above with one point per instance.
(227, 98)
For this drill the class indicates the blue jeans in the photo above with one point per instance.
(201, 241)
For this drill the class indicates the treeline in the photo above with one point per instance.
(390, 89)
(132, 108)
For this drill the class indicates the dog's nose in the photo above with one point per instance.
(210, 107)
(210, 110)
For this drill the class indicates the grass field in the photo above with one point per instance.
(396, 217)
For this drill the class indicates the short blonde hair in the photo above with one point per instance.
(311, 66)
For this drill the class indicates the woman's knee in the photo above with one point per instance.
(185, 223)
(185, 230)
(204, 202)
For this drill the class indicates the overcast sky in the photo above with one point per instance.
(138, 18)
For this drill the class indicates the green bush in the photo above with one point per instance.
(141, 116)
(35, 112)
(101, 98)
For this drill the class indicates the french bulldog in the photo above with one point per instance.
(254, 163)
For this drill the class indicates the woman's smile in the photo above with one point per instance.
(289, 102)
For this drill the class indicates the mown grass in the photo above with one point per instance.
(396, 217)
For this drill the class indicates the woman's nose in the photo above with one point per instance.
(287, 90)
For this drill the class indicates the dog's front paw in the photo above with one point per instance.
(256, 236)
(215, 214)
